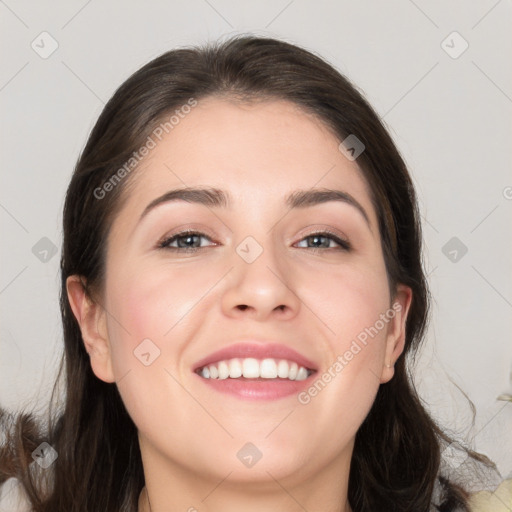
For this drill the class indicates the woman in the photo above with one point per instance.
(242, 289)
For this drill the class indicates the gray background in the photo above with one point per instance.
(448, 110)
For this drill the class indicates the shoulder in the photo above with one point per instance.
(13, 497)
(499, 500)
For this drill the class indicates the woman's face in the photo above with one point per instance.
(256, 283)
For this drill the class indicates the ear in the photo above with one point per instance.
(92, 320)
(395, 338)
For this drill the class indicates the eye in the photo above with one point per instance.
(189, 241)
(323, 239)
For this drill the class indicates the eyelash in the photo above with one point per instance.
(344, 245)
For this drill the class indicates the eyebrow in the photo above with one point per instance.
(217, 198)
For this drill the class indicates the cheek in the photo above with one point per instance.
(153, 316)
(154, 309)
(352, 304)
(349, 301)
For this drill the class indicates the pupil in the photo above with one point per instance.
(187, 238)
(316, 238)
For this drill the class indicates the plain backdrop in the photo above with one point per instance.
(437, 72)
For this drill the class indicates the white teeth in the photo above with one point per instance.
(292, 372)
(268, 369)
(235, 368)
(302, 374)
(223, 370)
(214, 372)
(252, 368)
(282, 369)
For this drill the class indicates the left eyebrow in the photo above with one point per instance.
(312, 197)
(216, 198)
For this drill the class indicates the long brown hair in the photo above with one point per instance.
(396, 458)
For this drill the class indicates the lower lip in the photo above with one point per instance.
(258, 389)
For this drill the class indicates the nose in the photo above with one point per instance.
(261, 289)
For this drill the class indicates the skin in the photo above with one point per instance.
(190, 304)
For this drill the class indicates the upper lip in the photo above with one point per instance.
(257, 350)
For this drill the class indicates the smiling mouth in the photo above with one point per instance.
(250, 368)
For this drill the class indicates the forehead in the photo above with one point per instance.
(258, 152)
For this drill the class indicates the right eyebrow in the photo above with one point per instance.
(207, 196)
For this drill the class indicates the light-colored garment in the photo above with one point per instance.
(13, 497)
(498, 501)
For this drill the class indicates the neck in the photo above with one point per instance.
(247, 502)
(325, 490)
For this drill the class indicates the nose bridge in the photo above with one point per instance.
(260, 260)
(260, 279)
(258, 244)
